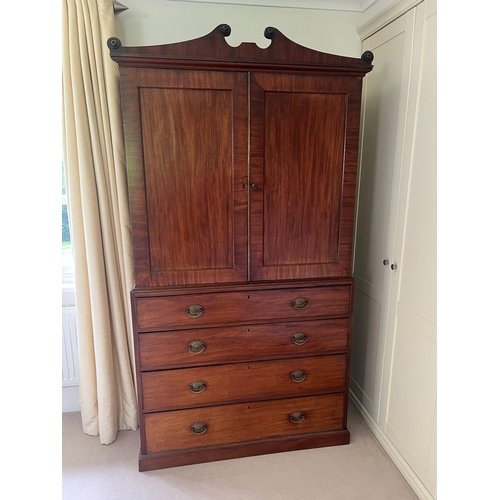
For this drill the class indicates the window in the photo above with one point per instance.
(67, 251)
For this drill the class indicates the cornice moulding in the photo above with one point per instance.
(339, 5)
(386, 17)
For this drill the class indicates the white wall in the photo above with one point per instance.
(376, 8)
(156, 22)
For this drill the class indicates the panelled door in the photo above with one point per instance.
(303, 162)
(188, 152)
(393, 368)
(385, 106)
(189, 194)
(410, 379)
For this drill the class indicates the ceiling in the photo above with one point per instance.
(348, 5)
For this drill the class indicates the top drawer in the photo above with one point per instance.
(231, 308)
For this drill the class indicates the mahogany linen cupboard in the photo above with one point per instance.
(241, 168)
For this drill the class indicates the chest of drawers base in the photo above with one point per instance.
(241, 370)
(163, 460)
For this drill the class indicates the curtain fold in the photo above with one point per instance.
(94, 157)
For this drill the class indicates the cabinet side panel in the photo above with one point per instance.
(135, 179)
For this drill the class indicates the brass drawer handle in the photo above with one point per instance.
(199, 428)
(194, 311)
(296, 417)
(300, 303)
(298, 375)
(197, 386)
(196, 346)
(299, 338)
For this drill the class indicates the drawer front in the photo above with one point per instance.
(232, 308)
(209, 346)
(242, 422)
(212, 385)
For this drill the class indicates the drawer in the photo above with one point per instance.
(208, 346)
(223, 384)
(233, 308)
(184, 429)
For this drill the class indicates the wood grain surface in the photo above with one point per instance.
(165, 350)
(303, 163)
(186, 138)
(242, 422)
(253, 381)
(241, 168)
(232, 308)
(212, 51)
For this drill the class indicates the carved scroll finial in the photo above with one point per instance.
(225, 29)
(269, 32)
(367, 56)
(114, 43)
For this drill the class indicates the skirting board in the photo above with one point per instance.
(70, 399)
(412, 479)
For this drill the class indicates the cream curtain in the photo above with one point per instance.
(94, 157)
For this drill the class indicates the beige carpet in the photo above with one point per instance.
(359, 471)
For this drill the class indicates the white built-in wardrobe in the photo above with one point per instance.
(393, 373)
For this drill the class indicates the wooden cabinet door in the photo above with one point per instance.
(186, 136)
(303, 161)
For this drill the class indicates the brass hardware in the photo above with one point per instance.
(194, 311)
(296, 417)
(197, 386)
(196, 346)
(199, 428)
(298, 375)
(300, 303)
(299, 338)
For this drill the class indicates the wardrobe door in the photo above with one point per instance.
(187, 147)
(410, 421)
(303, 162)
(385, 104)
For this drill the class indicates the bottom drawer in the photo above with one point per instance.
(184, 429)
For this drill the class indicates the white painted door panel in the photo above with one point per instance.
(410, 421)
(418, 279)
(365, 347)
(385, 94)
(382, 90)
